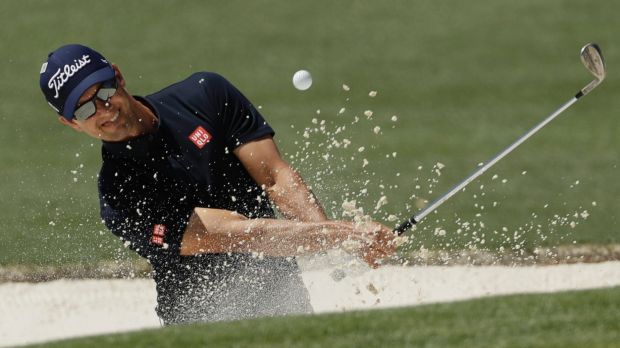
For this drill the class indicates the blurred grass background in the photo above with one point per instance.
(463, 79)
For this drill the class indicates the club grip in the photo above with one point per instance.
(405, 226)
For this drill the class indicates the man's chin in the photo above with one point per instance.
(113, 137)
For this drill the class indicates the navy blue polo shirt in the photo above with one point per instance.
(148, 186)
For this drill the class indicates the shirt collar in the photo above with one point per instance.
(143, 147)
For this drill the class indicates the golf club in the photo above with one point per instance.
(592, 58)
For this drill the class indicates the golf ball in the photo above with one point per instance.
(302, 80)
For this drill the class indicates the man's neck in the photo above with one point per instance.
(145, 118)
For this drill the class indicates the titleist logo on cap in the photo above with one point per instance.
(62, 75)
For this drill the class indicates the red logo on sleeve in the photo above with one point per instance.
(159, 231)
(200, 137)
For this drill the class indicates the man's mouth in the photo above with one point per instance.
(112, 120)
(115, 116)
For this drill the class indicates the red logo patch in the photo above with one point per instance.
(159, 231)
(200, 137)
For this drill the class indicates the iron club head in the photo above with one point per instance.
(592, 58)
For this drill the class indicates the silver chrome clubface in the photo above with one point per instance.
(592, 58)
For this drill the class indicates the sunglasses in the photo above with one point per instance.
(89, 107)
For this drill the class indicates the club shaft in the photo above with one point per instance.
(423, 213)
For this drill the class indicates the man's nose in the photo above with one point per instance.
(103, 104)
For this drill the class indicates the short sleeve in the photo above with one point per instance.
(240, 120)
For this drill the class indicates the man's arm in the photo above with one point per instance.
(282, 183)
(222, 231)
(307, 230)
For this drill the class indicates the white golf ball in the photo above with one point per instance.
(302, 80)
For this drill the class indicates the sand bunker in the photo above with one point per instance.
(69, 308)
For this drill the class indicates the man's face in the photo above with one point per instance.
(110, 120)
(113, 120)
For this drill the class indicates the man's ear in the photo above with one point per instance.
(71, 123)
(118, 75)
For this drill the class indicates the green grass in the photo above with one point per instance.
(464, 78)
(572, 319)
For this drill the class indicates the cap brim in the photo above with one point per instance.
(100, 75)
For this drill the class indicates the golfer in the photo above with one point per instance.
(188, 179)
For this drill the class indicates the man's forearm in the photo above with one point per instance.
(282, 183)
(220, 231)
(293, 197)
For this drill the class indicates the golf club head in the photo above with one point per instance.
(592, 58)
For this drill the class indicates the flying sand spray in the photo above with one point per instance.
(592, 59)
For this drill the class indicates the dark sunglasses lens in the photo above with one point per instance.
(85, 111)
(106, 93)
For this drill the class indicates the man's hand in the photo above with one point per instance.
(380, 242)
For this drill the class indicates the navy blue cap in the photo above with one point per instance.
(68, 73)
